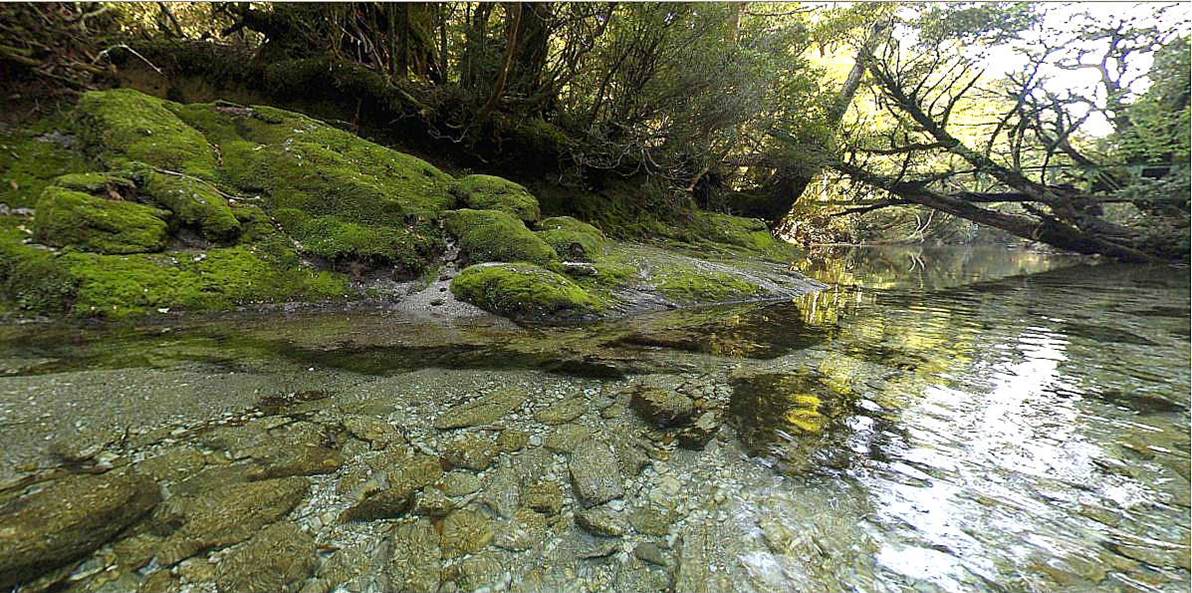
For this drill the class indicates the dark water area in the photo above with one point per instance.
(936, 420)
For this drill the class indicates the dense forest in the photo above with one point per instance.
(859, 122)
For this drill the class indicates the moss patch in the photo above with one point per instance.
(694, 285)
(409, 248)
(572, 239)
(523, 291)
(193, 202)
(124, 125)
(97, 184)
(28, 163)
(111, 286)
(491, 236)
(68, 218)
(32, 278)
(488, 192)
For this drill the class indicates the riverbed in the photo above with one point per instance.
(936, 420)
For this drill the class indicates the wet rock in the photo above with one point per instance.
(471, 451)
(696, 435)
(695, 569)
(602, 522)
(224, 516)
(275, 560)
(652, 520)
(503, 495)
(650, 553)
(432, 502)
(465, 531)
(461, 483)
(662, 407)
(174, 465)
(601, 549)
(277, 451)
(378, 433)
(133, 553)
(595, 474)
(395, 496)
(533, 464)
(67, 519)
(212, 476)
(512, 439)
(481, 572)
(544, 496)
(162, 581)
(527, 529)
(564, 411)
(631, 456)
(342, 567)
(483, 410)
(566, 438)
(415, 559)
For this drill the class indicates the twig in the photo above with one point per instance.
(134, 52)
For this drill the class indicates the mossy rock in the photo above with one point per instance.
(28, 163)
(494, 236)
(307, 165)
(218, 279)
(193, 202)
(524, 291)
(696, 285)
(68, 218)
(410, 249)
(123, 125)
(97, 184)
(572, 239)
(488, 192)
(32, 278)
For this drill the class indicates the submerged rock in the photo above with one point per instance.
(471, 451)
(662, 407)
(395, 496)
(563, 411)
(224, 516)
(482, 410)
(67, 519)
(415, 559)
(595, 474)
(275, 560)
(545, 496)
(465, 531)
(697, 434)
(524, 531)
(600, 521)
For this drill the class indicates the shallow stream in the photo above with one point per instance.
(937, 420)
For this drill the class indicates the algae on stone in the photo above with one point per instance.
(276, 560)
(488, 192)
(68, 218)
(572, 239)
(524, 291)
(482, 410)
(493, 236)
(697, 285)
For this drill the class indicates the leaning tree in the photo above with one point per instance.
(1014, 152)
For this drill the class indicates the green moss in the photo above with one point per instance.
(750, 235)
(32, 278)
(28, 163)
(523, 291)
(97, 184)
(303, 164)
(123, 125)
(695, 285)
(491, 235)
(572, 239)
(193, 202)
(487, 192)
(411, 249)
(68, 218)
(219, 279)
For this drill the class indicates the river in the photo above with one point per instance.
(937, 420)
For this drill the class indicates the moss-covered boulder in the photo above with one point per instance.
(193, 202)
(494, 236)
(30, 161)
(408, 248)
(68, 218)
(523, 291)
(304, 164)
(488, 192)
(124, 125)
(98, 184)
(572, 239)
(32, 277)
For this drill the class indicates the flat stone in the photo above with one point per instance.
(650, 553)
(544, 496)
(432, 502)
(396, 495)
(696, 435)
(342, 567)
(67, 519)
(697, 552)
(482, 572)
(566, 438)
(662, 407)
(512, 439)
(503, 495)
(602, 522)
(275, 560)
(225, 516)
(470, 451)
(173, 465)
(482, 410)
(465, 531)
(524, 531)
(375, 431)
(415, 559)
(595, 474)
(461, 483)
(564, 411)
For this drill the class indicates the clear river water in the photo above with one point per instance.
(937, 420)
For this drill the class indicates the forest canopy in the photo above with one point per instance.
(1066, 124)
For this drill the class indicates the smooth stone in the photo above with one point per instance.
(696, 435)
(461, 483)
(482, 410)
(544, 496)
(661, 407)
(595, 474)
(601, 522)
(562, 412)
(565, 438)
(527, 529)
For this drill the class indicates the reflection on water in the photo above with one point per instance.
(938, 420)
